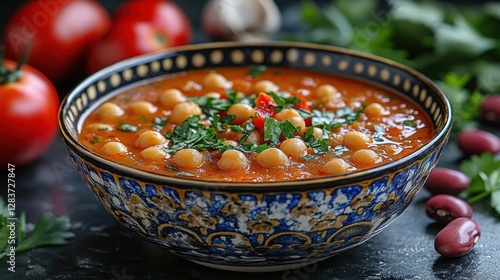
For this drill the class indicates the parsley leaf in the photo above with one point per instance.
(379, 133)
(191, 134)
(184, 174)
(339, 150)
(210, 105)
(409, 123)
(245, 148)
(272, 130)
(288, 129)
(257, 70)
(320, 146)
(159, 122)
(48, 230)
(484, 171)
(127, 127)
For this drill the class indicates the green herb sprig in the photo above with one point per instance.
(48, 230)
(456, 46)
(484, 171)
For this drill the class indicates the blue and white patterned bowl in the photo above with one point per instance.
(256, 226)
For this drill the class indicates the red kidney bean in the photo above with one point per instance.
(457, 238)
(490, 109)
(446, 181)
(478, 141)
(444, 208)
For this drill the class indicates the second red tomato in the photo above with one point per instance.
(140, 27)
(59, 32)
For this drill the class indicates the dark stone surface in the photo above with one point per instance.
(102, 249)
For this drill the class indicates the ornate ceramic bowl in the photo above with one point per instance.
(256, 226)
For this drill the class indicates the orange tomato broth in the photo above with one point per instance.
(402, 129)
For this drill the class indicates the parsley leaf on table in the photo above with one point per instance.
(484, 171)
(48, 230)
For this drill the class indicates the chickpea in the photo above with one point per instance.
(253, 137)
(188, 158)
(232, 160)
(143, 107)
(293, 116)
(356, 140)
(326, 90)
(171, 97)
(214, 80)
(317, 133)
(287, 114)
(294, 147)
(109, 110)
(374, 110)
(114, 149)
(183, 111)
(242, 112)
(365, 158)
(154, 153)
(332, 102)
(212, 94)
(150, 138)
(230, 142)
(272, 157)
(336, 166)
(265, 86)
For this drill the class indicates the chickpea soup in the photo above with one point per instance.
(255, 124)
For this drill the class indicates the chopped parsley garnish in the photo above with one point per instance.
(245, 148)
(172, 167)
(283, 101)
(319, 146)
(273, 129)
(308, 157)
(210, 105)
(94, 140)
(329, 120)
(348, 114)
(379, 133)
(322, 118)
(159, 122)
(184, 174)
(191, 134)
(409, 123)
(257, 70)
(378, 129)
(339, 150)
(127, 127)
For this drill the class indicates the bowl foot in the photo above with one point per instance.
(255, 269)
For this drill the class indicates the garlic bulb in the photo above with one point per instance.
(241, 20)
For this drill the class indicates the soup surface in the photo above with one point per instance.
(255, 124)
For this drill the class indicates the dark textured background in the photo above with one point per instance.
(102, 249)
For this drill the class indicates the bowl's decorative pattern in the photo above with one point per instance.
(243, 224)
(236, 228)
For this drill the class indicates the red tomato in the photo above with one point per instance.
(265, 105)
(61, 33)
(264, 108)
(140, 27)
(28, 115)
